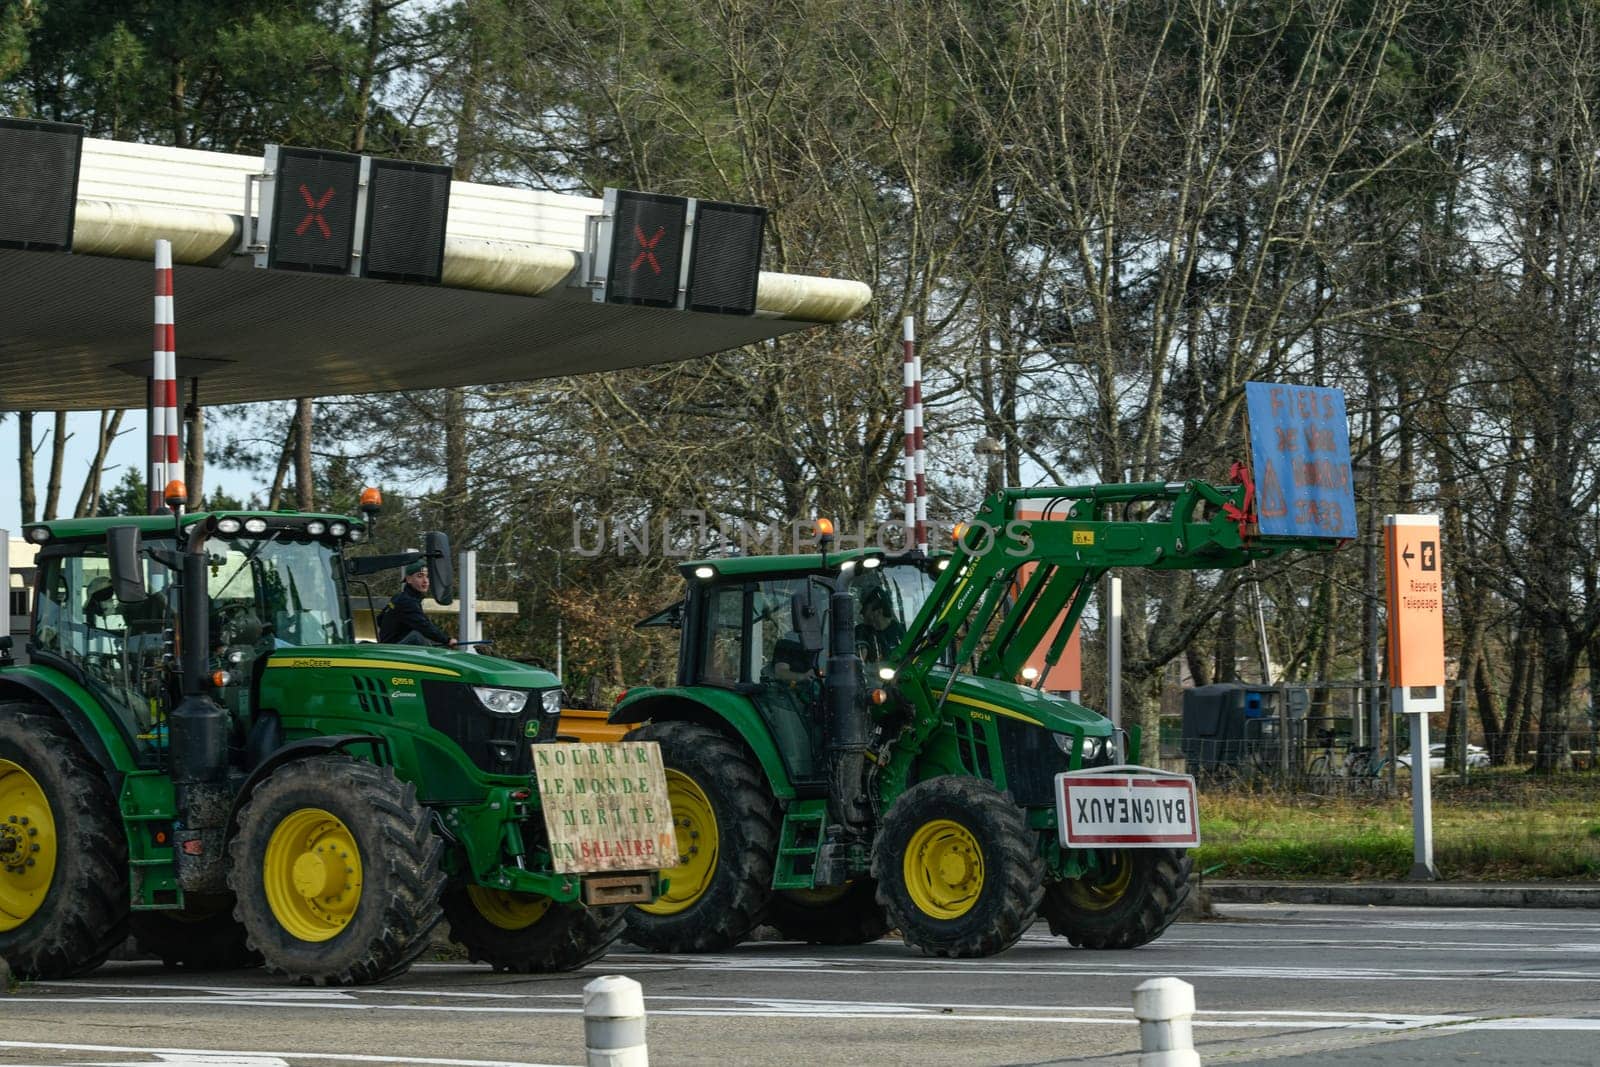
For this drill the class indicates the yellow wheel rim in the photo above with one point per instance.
(696, 828)
(27, 846)
(312, 874)
(1103, 886)
(508, 911)
(943, 869)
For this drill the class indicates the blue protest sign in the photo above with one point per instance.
(1300, 447)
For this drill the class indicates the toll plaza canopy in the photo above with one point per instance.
(514, 297)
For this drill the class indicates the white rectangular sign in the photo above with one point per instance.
(605, 806)
(1127, 807)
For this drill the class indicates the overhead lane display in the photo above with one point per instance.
(386, 275)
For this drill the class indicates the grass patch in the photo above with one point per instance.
(1499, 826)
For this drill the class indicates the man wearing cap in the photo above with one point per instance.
(879, 632)
(402, 621)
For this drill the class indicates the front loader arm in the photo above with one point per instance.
(1087, 531)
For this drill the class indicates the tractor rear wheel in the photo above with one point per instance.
(63, 856)
(842, 915)
(525, 933)
(203, 937)
(335, 870)
(958, 869)
(1128, 900)
(726, 823)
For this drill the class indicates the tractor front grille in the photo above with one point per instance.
(1031, 760)
(496, 743)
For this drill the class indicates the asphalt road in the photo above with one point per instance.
(1274, 985)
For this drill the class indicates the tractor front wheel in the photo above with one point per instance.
(845, 915)
(1128, 900)
(63, 856)
(726, 822)
(957, 868)
(526, 934)
(335, 869)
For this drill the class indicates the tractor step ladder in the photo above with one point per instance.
(800, 844)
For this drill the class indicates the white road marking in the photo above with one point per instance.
(218, 1057)
(813, 1008)
(196, 1059)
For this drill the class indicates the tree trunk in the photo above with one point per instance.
(194, 459)
(304, 485)
(369, 65)
(1519, 705)
(28, 501)
(455, 464)
(58, 457)
(89, 498)
(285, 456)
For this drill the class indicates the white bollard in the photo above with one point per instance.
(1164, 1007)
(613, 1022)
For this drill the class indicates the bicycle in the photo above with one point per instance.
(1321, 765)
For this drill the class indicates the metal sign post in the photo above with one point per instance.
(1114, 651)
(1416, 658)
(470, 628)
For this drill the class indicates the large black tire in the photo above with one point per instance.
(727, 826)
(528, 934)
(958, 869)
(849, 915)
(203, 937)
(1128, 901)
(312, 920)
(64, 864)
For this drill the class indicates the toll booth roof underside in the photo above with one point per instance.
(79, 334)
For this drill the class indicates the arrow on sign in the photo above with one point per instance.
(1407, 555)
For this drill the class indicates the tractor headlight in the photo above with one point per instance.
(316, 528)
(551, 699)
(502, 701)
(1092, 746)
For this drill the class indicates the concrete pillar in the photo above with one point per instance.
(613, 1023)
(1165, 1008)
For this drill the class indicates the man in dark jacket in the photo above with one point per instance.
(402, 622)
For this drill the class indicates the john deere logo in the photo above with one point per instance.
(530, 728)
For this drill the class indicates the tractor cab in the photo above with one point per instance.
(760, 627)
(272, 581)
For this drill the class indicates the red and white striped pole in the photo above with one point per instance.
(909, 468)
(921, 452)
(166, 459)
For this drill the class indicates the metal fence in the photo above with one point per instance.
(1339, 738)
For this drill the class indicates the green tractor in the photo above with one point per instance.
(921, 780)
(194, 749)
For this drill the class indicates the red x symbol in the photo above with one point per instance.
(647, 249)
(314, 211)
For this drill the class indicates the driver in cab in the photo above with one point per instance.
(402, 621)
(878, 632)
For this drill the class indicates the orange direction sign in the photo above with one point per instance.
(1416, 601)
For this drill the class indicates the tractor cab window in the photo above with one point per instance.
(273, 593)
(118, 648)
(887, 601)
(744, 627)
(750, 644)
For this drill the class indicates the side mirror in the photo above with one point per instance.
(441, 569)
(127, 577)
(807, 618)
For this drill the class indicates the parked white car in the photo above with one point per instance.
(1476, 757)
